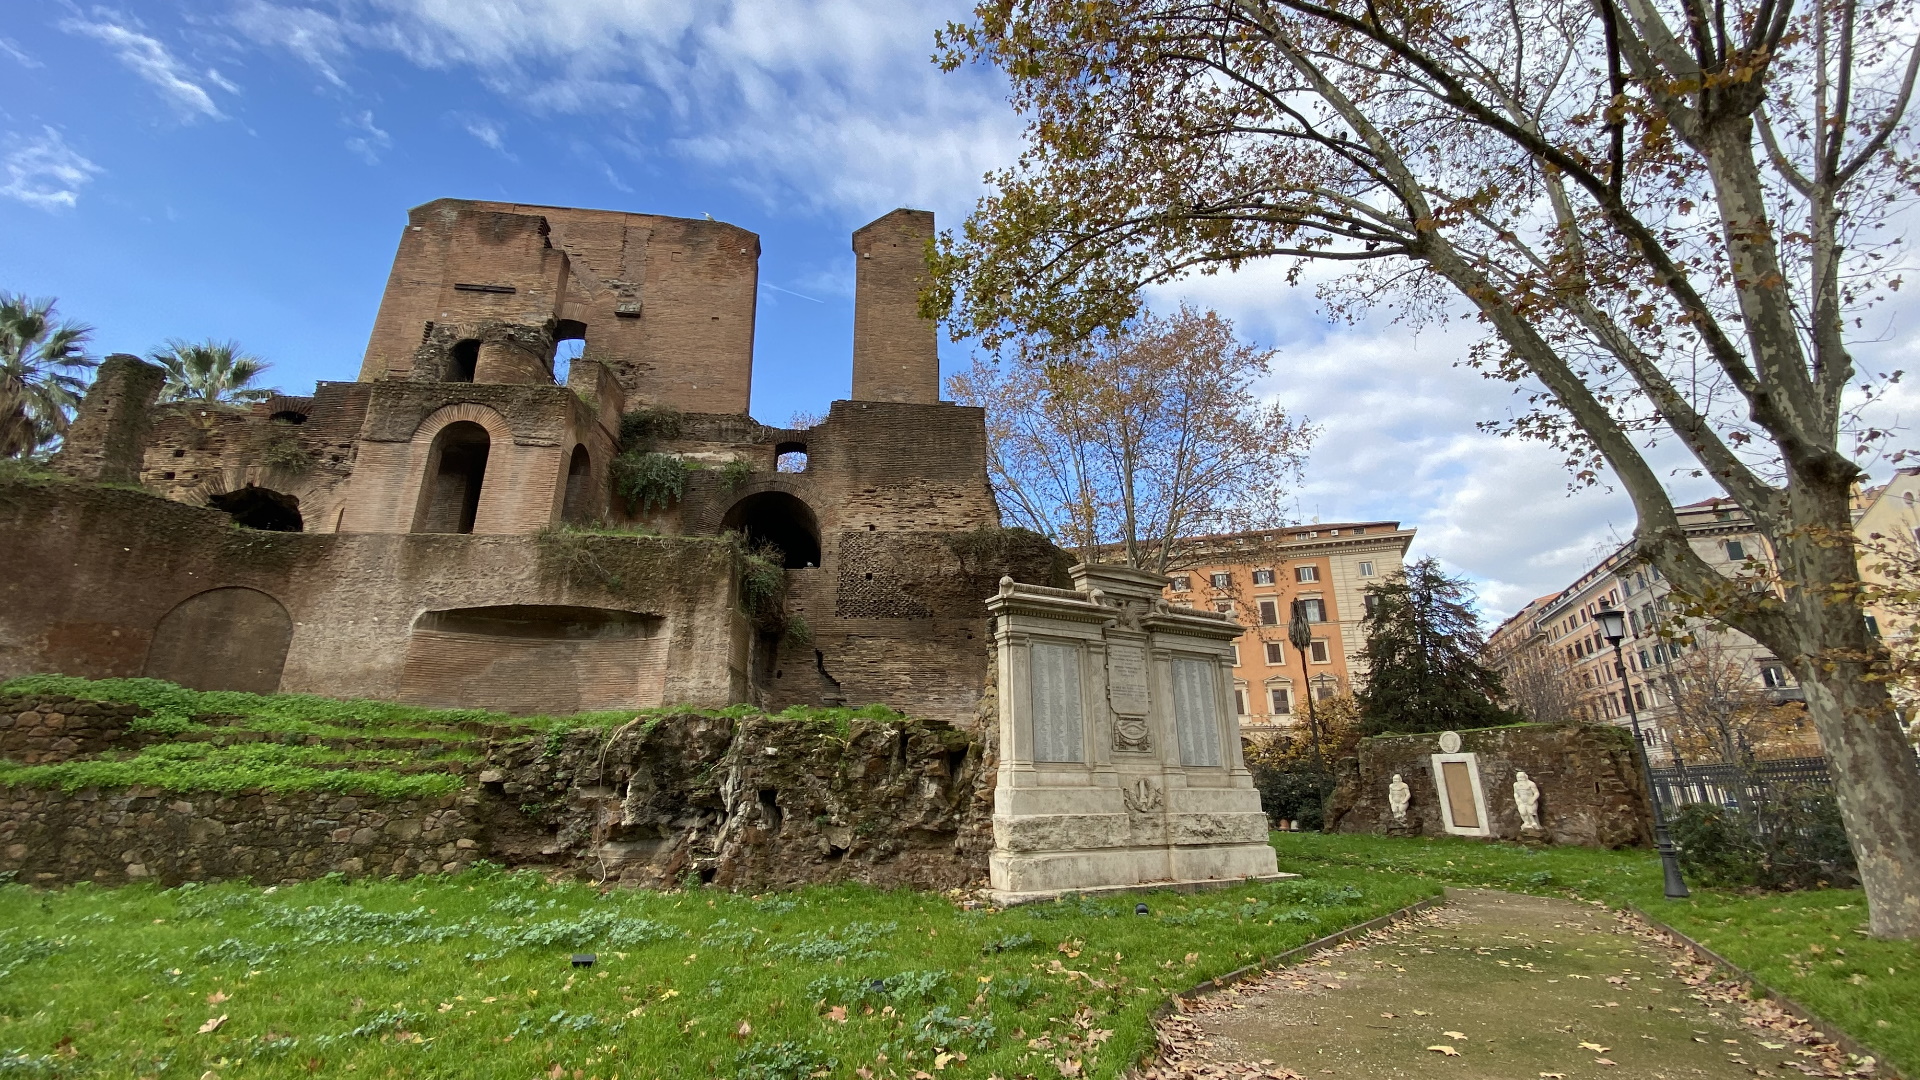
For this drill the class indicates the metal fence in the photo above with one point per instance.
(1733, 786)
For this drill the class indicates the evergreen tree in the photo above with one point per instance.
(1423, 657)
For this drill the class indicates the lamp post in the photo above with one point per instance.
(1300, 633)
(1613, 627)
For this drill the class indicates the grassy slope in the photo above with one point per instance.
(288, 721)
(1808, 945)
(468, 976)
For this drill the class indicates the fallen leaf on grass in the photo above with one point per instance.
(1553, 1076)
(1605, 1061)
(1455, 1035)
(213, 1024)
(837, 1014)
(1595, 1047)
(446, 1006)
(1446, 1050)
(1421, 1012)
(217, 997)
(940, 1061)
(744, 1030)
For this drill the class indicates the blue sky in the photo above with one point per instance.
(242, 169)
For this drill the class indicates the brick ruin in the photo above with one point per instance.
(445, 530)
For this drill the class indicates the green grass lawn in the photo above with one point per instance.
(1810, 946)
(469, 976)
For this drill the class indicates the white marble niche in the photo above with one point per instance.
(1120, 758)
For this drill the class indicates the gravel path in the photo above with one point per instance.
(1496, 986)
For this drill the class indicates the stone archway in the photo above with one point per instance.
(781, 520)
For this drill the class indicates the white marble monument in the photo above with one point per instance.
(1119, 755)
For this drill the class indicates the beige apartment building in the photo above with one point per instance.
(1257, 575)
(1556, 634)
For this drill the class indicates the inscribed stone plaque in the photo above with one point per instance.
(1056, 703)
(1196, 712)
(1459, 785)
(1127, 679)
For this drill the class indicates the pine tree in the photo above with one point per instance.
(1423, 657)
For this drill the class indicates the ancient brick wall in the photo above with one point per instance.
(468, 266)
(109, 432)
(1590, 787)
(895, 351)
(114, 837)
(97, 570)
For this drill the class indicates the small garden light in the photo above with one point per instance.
(1139, 909)
(583, 959)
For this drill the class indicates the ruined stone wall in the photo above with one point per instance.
(750, 803)
(1591, 792)
(109, 430)
(42, 730)
(97, 570)
(114, 837)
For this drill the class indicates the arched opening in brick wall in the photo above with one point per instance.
(778, 519)
(462, 360)
(260, 508)
(569, 344)
(790, 457)
(456, 471)
(580, 504)
(222, 639)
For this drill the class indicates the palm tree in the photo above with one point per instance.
(38, 358)
(210, 372)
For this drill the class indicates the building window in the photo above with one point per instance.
(1306, 573)
(1221, 580)
(1236, 653)
(1239, 702)
(1315, 608)
(1269, 613)
(1263, 577)
(1276, 654)
(1639, 698)
(1773, 676)
(1359, 530)
(1372, 602)
(1736, 550)
(1325, 690)
(1318, 651)
(1282, 700)
(1366, 568)
(1224, 607)
(1182, 583)
(1643, 660)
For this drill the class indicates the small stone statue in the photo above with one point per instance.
(1526, 799)
(1398, 796)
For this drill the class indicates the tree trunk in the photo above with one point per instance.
(1876, 778)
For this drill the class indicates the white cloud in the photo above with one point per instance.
(491, 134)
(45, 173)
(368, 140)
(312, 36)
(146, 57)
(829, 105)
(17, 54)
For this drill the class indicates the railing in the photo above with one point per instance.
(1733, 786)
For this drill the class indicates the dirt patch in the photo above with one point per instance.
(1496, 986)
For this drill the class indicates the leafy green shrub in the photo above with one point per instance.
(763, 586)
(1788, 839)
(648, 480)
(735, 473)
(799, 634)
(285, 453)
(1296, 794)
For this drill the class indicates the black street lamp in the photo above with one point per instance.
(1300, 633)
(1613, 627)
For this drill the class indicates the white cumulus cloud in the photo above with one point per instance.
(45, 173)
(368, 140)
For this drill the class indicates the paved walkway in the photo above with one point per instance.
(1495, 986)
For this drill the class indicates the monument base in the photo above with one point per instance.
(1005, 899)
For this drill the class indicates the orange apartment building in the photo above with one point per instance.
(1257, 575)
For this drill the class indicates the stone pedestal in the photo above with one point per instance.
(1119, 756)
